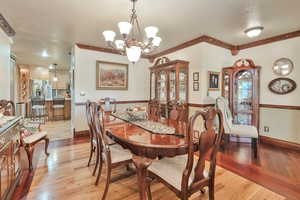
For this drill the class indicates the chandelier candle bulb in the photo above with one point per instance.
(151, 31)
(125, 28)
(109, 36)
(156, 41)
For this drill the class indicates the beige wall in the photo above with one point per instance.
(5, 71)
(203, 57)
(85, 82)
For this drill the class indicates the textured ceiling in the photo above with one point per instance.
(55, 25)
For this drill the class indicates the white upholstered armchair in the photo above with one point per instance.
(235, 129)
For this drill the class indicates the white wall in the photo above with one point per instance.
(85, 81)
(4, 65)
(203, 57)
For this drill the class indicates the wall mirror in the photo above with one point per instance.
(283, 67)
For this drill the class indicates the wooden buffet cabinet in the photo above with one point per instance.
(10, 160)
(169, 86)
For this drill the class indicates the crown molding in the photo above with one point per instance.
(9, 31)
(204, 38)
(270, 40)
(233, 48)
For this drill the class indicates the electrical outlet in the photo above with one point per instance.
(266, 129)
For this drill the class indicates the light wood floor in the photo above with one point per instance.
(58, 130)
(64, 175)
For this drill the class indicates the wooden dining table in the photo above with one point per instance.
(145, 145)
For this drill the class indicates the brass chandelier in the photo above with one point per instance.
(132, 43)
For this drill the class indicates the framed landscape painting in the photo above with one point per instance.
(111, 76)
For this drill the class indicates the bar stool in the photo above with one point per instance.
(38, 109)
(58, 104)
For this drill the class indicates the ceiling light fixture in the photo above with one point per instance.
(55, 79)
(254, 32)
(45, 54)
(132, 41)
(51, 67)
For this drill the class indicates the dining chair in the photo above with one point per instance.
(186, 174)
(8, 106)
(112, 155)
(235, 129)
(93, 143)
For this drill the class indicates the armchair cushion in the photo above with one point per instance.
(34, 137)
(244, 131)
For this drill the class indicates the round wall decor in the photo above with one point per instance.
(283, 67)
(282, 86)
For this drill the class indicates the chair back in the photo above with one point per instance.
(7, 107)
(89, 118)
(58, 101)
(97, 113)
(223, 106)
(207, 144)
(109, 104)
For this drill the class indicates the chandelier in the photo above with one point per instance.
(132, 41)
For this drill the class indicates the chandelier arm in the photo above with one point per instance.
(139, 30)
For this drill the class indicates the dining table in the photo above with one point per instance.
(148, 141)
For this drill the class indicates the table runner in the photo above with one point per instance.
(152, 126)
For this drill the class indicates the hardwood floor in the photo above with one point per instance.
(64, 175)
(277, 168)
(58, 130)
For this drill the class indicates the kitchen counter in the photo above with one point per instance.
(49, 103)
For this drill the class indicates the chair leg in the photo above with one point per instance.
(92, 150)
(254, 145)
(211, 191)
(46, 146)
(149, 190)
(97, 159)
(108, 175)
(29, 151)
(99, 170)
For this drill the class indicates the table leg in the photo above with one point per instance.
(141, 164)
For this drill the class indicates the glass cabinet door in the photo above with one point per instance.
(243, 101)
(153, 95)
(172, 85)
(162, 87)
(182, 86)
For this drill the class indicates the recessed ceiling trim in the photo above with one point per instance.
(10, 32)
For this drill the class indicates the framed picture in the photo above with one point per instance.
(195, 86)
(213, 80)
(111, 76)
(196, 76)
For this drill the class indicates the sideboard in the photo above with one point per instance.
(10, 160)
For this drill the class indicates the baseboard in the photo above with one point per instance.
(280, 143)
(83, 133)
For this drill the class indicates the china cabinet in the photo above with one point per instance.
(241, 88)
(169, 86)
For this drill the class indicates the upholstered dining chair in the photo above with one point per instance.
(235, 129)
(112, 155)
(187, 174)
